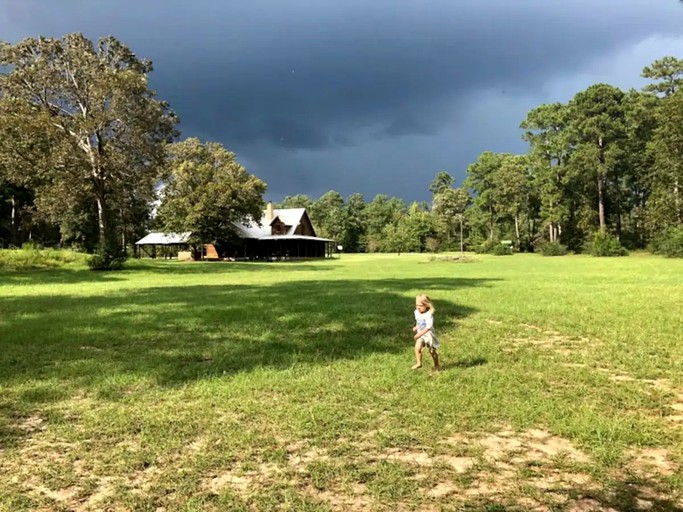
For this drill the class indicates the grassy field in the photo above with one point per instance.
(233, 386)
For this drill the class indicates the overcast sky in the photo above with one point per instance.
(370, 96)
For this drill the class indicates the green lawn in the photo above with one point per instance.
(236, 386)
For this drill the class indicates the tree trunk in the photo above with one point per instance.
(618, 225)
(517, 231)
(13, 222)
(491, 223)
(601, 202)
(462, 247)
(677, 201)
(601, 187)
(102, 223)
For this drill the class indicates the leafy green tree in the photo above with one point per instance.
(85, 113)
(514, 184)
(206, 191)
(668, 71)
(355, 223)
(666, 204)
(481, 179)
(381, 212)
(546, 132)
(442, 181)
(297, 201)
(410, 231)
(398, 238)
(633, 190)
(448, 207)
(598, 136)
(329, 216)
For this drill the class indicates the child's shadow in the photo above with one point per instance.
(465, 363)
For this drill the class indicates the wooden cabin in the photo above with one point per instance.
(281, 234)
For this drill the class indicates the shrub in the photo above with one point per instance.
(605, 244)
(109, 256)
(433, 244)
(32, 258)
(669, 243)
(486, 247)
(31, 246)
(502, 250)
(104, 261)
(553, 249)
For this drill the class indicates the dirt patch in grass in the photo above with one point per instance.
(532, 469)
(554, 342)
(541, 470)
(357, 500)
(408, 457)
(677, 408)
(547, 340)
(589, 505)
(32, 424)
(455, 259)
(507, 452)
(661, 385)
(105, 488)
(650, 462)
(242, 484)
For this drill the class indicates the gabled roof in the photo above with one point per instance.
(289, 216)
(164, 239)
(295, 237)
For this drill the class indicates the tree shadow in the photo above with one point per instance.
(178, 334)
(65, 275)
(637, 494)
(220, 267)
(167, 332)
(58, 276)
(622, 495)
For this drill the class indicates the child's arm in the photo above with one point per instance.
(426, 329)
(420, 333)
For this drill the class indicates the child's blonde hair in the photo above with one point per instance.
(425, 301)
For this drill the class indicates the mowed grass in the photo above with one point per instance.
(286, 386)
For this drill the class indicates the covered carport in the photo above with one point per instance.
(164, 245)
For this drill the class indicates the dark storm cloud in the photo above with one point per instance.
(316, 95)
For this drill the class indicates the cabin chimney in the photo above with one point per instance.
(270, 214)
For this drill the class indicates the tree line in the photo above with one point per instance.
(603, 170)
(89, 159)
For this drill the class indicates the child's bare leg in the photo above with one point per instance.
(435, 357)
(418, 355)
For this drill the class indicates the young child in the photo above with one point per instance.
(424, 331)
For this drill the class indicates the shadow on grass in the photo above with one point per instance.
(620, 495)
(219, 267)
(168, 336)
(176, 334)
(61, 275)
(65, 275)
(641, 495)
(464, 363)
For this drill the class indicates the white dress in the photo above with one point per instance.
(426, 321)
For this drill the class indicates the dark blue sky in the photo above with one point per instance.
(360, 95)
